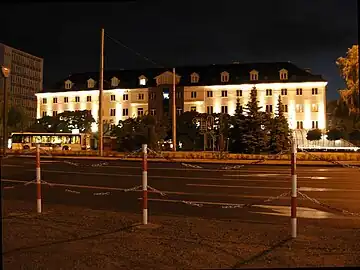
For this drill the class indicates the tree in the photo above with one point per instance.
(349, 71)
(17, 119)
(237, 129)
(314, 135)
(335, 134)
(354, 136)
(279, 130)
(187, 132)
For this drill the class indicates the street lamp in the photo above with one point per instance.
(5, 74)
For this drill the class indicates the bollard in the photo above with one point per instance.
(293, 189)
(144, 185)
(38, 179)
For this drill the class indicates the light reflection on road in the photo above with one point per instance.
(302, 212)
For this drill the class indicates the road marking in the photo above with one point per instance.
(283, 175)
(10, 165)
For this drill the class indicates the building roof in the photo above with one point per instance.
(208, 75)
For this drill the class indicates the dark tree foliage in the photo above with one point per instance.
(314, 135)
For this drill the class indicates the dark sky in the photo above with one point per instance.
(309, 33)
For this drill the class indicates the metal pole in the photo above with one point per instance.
(101, 88)
(174, 111)
(144, 185)
(38, 180)
(293, 189)
(4, 145)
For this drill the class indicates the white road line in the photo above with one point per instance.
(10, 165)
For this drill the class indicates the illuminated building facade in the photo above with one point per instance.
(205, 89)
(26, 79)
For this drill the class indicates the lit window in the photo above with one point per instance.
(224, 76)
(140, 111)
(193, 108)
(284, 92)
(210, 109)
(209, 93)
(125, 97)
(193, 94)
(112, 97)
(54, 113)
(112, 112)
(239, 93)
(299, 91)
(315, 124)
(66, 99)
(315, 107)
(44, 101)
(88, 98)
(194, 78)
(299, 125)
(269, 108)
(77, 99)
(254, 75)
(224, 109)
(125, 112)
(314, 91)
(178, 111)
(68, 84)
(269, 92)
(141, 96)
(54, 100)
(224, 93)
(114, 82)
(142, 81)
(283, 74)
(153, 112)
(299, 108)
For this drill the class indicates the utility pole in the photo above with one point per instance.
(101, 88)
(174, 111)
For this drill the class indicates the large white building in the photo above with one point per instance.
(206, 89)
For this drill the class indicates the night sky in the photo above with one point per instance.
(309, 33)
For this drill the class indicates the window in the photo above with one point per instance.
(77, 99)
(112, 97)
(284, 92)
(68, 84)
(269, 92)
(91, 83)
(299, 108)
(142, 81)
(269, 108)
(224, 93)
(299, 125)
(55, 113)
(224, 76)
(285, 108)
(283, 74)
(112, 112)
(114, 82)
(44, 101)
(314, 91)
(178, 111)
(140, 111)
(54, 100)
(224, 109)
(66, 99)
(210, 109)
(88, 98)
(43, 114)
(153, 112)
(125, 112)
(152, 96)
(315, 124)
(193, 94)
(178, 95)
(193, 108)
(194, 78)
(239, 93)
(125, 97)
(141, 96)
(254, 75)
(298, 91)
(209, 93)
(315, 107)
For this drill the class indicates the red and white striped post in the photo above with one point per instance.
(293, 189)
(145, 185)
(38, 179)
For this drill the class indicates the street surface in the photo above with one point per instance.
(209, 191)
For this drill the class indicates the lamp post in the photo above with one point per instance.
(5, 74)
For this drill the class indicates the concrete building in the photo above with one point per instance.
(25, 80)
(211, 89)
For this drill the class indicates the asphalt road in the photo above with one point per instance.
(209, 191)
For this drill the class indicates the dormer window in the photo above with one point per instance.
(254, 75)
(283, 74)
(194, 78)
(68, 84)
(90, 83)
(142, 80)
(224, 76)
(115, 82)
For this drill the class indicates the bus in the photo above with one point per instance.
(50, 141)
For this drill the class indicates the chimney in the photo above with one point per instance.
(308, 70)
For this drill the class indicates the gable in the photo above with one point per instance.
(167, 78)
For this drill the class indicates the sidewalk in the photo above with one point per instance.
(215, 161)
(94, 239)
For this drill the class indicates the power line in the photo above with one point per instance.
(133, 51)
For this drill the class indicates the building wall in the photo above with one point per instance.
(26, 78)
